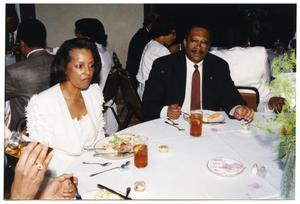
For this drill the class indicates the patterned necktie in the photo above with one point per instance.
(195, 96)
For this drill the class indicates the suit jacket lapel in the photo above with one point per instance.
(180, 78)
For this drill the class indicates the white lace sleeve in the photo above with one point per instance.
(38, 121)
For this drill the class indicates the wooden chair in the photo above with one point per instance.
(110, 92)
(251, 96)
(132, 101)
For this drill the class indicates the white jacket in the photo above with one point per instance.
(49, 119)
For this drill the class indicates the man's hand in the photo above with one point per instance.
(174, 111)
(276, 103)
(60, 187)
(243, 112)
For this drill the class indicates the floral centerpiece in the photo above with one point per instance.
(284, 85)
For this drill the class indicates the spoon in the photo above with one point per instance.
(118, 167)
(102, 164)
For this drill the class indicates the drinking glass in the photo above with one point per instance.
(140, 150)
(15, 144)
(196, 119)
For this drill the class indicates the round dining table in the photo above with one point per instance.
(182, 172)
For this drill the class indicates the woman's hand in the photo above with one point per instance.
(61, 187)
(30, 171)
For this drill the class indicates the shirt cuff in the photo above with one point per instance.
(164, 112)
(233, 110)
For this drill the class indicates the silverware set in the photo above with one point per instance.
(118, 167)
(173, 124)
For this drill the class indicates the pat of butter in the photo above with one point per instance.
(139, 186)
(163, 148)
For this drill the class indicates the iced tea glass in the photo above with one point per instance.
(15, 144)
(196, 119)
(140, 150)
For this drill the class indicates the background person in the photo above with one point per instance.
(163, 34)
(137, 45)
(30, 76)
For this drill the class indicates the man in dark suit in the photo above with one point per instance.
(136, 47)
(168, 89)
(29, 76)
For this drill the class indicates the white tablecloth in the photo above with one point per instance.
(182, 173)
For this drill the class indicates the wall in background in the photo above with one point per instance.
(120, 21)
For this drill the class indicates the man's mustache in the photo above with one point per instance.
(198, 52)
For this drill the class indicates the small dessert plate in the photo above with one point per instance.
(225, 166)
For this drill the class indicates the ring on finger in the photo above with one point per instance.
(39, 166)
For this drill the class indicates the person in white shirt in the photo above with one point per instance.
(249, 66)
(163, 34)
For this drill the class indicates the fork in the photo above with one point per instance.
(180, 129)
(172, 121)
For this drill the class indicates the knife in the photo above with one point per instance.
(213, 122)
(112, 191)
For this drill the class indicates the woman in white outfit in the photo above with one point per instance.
(163, 34)
(93, 29)
(68, 116)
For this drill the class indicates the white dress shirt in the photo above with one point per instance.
(186, 106)
(152, 51)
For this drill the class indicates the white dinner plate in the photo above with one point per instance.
(100, 194)
(225, 166)
(208, 116)
(106, 150)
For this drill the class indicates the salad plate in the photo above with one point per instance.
(225, 166)
(115, 147)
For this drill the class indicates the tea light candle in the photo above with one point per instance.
(139, 186)
(245, 127)
(163, 148)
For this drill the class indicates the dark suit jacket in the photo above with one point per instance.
(167, 80)
(135, 51)
(24, 79)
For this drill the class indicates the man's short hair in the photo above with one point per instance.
(32, 32)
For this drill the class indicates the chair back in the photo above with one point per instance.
(111, 87)
(251, 96)
(130, 97)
